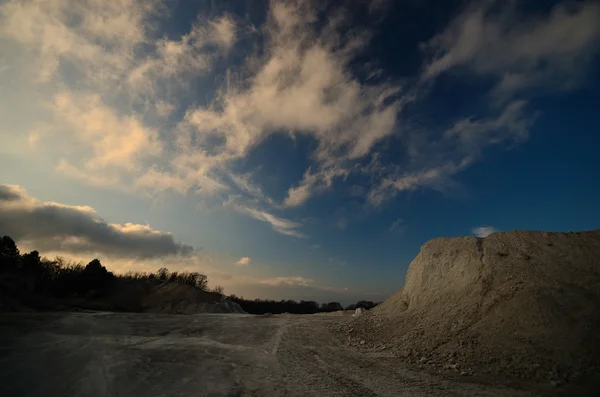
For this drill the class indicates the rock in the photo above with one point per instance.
(358, 311)
(362, 342)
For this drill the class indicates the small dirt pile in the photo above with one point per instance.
(518, 304)
(169, 298)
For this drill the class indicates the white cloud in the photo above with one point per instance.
(79, 32)
(313, 183)
(187, 56)
(523, 51)
(93, 117)
(483, 231)
(116, 141)
(302, 84)
(280, 225)
(244, 261)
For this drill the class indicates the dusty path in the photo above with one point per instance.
(107, 354)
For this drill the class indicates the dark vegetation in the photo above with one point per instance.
(262, 306)
(28, 280)
(40, 283)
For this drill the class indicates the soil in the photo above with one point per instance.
(142, 354)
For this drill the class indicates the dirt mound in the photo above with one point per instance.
(518, 304)
(172, 298)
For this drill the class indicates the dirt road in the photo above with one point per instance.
(108, 354)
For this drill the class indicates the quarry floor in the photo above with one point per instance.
(109, 354)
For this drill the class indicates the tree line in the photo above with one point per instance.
(61, 278)
(263, 306)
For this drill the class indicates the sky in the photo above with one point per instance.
(297, 150)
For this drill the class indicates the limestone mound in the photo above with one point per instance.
(516, 304)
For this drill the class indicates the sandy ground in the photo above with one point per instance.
(109, 354)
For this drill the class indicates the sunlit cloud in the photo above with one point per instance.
(483, 231)
(79, 229)
(115, 105)
(244, 261)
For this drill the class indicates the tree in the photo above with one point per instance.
(163, 273)
(365, 304)
(218, 289)
(31, 261)
(95, 276)
(8, 248)
(201, 281)
(9, 254)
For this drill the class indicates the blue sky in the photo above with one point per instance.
(293, 150)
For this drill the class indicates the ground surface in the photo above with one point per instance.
(108, 354)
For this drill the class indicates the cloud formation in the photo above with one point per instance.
(115, 109)
(49, 226)
(520, 51)
(303, 84)
(280, 225)
(483, 231)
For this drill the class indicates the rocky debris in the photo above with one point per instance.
(519, 304)
(358, 311)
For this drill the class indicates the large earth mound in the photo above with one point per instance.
(519, 304)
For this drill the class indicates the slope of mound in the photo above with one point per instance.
(520, 304)
(173, 298)
(151, 296)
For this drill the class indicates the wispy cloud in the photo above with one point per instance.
(397, 225)
(522, 51)
(455, 150)
(280, 225)
(189, 55)
(483, 231)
